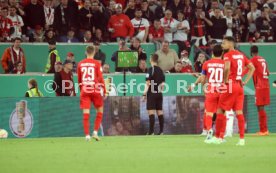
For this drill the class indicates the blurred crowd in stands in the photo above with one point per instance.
(202, 23)
(149, 20)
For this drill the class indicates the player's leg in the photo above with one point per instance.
(220, 123)
(85, 104)
(98, 104)
(229, 123)
(262, 121)
(151, 114)
(160, 114)
(262, 99)
(151, 108)
(209, 121)
(238, 108)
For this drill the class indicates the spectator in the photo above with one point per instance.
(13, 55)
(153, 4)
(18, 5)
(147, 13)
(119, 25)
(71, 57)
(85, 16)
(34, 15)
(219, 27)
(242, 11)
(18, 68)
(252, 16)
(156, 33)
(175, 6)
(49, 35)
(63, 80)
(200, 59)
(215, 4)
(186, 66)
(111, 8)
(130, 9)
(167, 57)
(188, 9)
(169, 25)
(99, 55)
(186, 62)
(17, 23)
(238, 26)
(33, 89)
(142, 66)
(58, 66)
(136, 46)
(66, 17)
(183, 28)
(49, 13)
(177, 68)
(122, 47)
(264, 25)
(52, 58)
(160, 10)
(99, 37)
(100, 17)
(198, 26)
(87, 37)
(70, 38)
(38, 35)
(229, 22)
(106, 68)
(6, 25)
(141, 26)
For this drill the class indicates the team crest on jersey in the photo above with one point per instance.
(121, 20)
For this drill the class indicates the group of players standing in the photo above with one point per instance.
(223, 75)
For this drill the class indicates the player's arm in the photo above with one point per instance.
(200, 80)
(226, 73)
(250, 73)
(79, 76)
(101, 79)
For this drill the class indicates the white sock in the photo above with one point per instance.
(229, 123)
(95, 132)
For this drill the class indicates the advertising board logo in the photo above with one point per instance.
(21, 120)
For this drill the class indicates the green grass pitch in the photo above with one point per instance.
(137, 154)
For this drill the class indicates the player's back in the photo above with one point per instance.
(214, 71)
(90, 74)
(261, 73)
(238, 62)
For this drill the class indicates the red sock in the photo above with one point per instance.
(223, 126)
(241, 125)
(209, 121)
(204, 122)
(262, 121)
(98, 121)
(86, 124)
(219, 123)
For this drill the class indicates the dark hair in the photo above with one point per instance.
(217, 50)
(13, 7)
(154, 58)
(229, 38)
(17, 38)
(52, 42)
(254, 49)
(5, 8)
(138, 9)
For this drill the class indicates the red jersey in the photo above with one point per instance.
(213, 69)
(156, 33)
(90, 76)
(5, 26)
(238, 63)
(122, 26)
(261, 73)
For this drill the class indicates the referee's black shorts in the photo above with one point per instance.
(154, 102)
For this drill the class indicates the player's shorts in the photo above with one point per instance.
(262, 97)
(87, 98)
(211, 102)
(232, 98)
(155, 102)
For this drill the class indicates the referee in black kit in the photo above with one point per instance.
(155, 79)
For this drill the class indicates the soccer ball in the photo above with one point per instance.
(3, 134)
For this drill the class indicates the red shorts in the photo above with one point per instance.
(211, 102)
(262, 97)
(232, 98)
(87, 98)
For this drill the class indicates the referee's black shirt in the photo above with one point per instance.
(156, 76)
